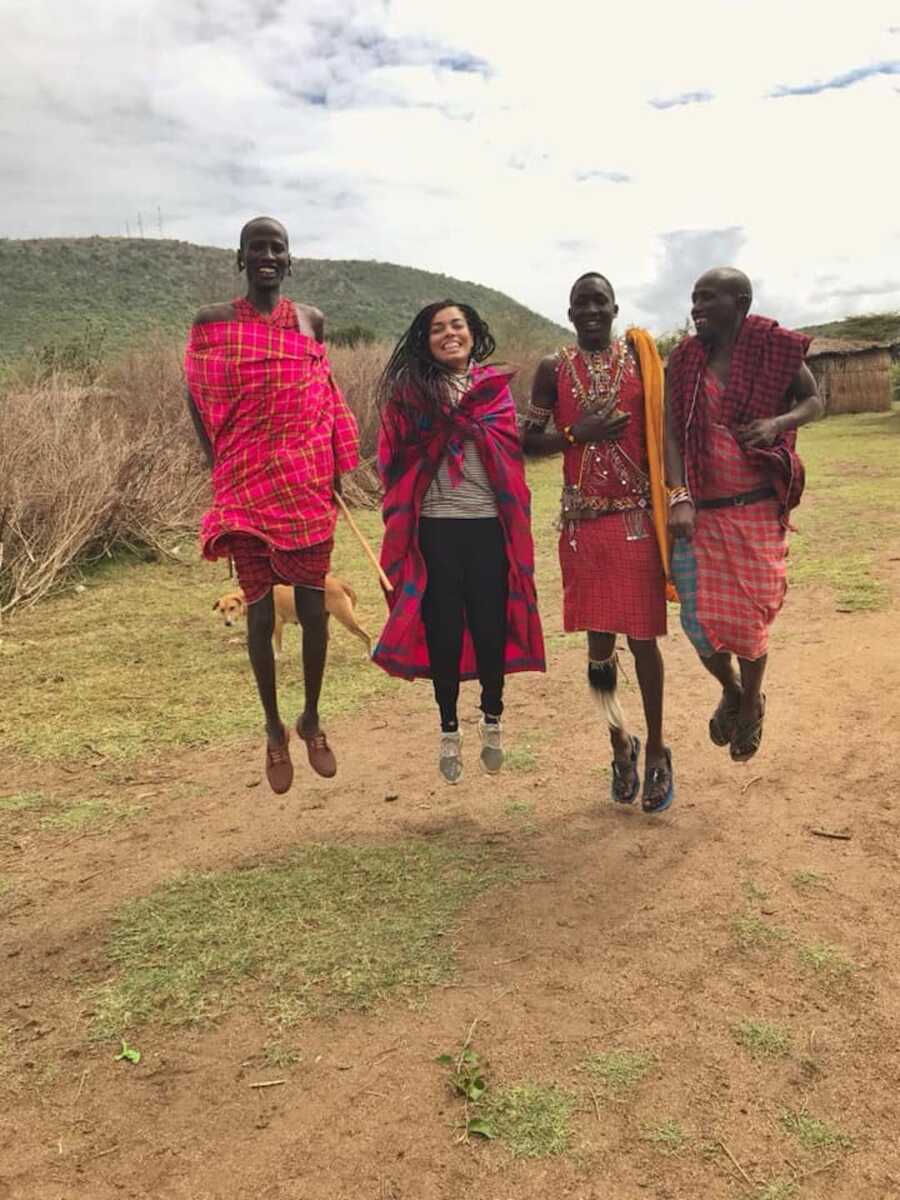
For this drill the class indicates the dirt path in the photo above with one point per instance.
(621, 935)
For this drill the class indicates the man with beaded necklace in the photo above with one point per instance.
(605, 397)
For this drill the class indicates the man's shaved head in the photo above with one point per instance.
(731, 279)
(248, 228)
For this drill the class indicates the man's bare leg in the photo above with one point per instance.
(648, 662)
(310, 604)
(260, 627)
(753, 671)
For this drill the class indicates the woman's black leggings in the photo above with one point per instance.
(467, 585)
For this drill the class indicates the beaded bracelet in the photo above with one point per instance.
(679, 495)
(569, 435)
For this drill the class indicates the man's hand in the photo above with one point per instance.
(681, 520)
(595, 428)
(758, 434)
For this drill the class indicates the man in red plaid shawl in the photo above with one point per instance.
(278, 435)
(736, 394)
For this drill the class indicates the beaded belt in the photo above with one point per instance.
(762, 493)
(576, 506)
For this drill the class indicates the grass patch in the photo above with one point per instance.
(852, 465)
(276, 1054)
(330, 928)
(762, 1040)
(83, 814)
(618, 1069)
(806, 880)
(776, 1189)
(667, 1136)
(141, 664)
(813, 1134)
(520, 758)
(22, 802)
(752, 933)
(534, 1121)
(825, 960)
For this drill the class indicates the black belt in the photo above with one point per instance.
(763, 493)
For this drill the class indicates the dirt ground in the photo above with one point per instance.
(621, 934)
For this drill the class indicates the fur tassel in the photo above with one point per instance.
(603, 678)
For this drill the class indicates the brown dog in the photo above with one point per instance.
(340, 600)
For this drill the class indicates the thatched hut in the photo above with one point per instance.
(852, 376)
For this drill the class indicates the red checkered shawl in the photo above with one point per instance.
(764, 361)
(410, 451)
(279, 428)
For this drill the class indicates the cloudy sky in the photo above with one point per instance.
(648, 141)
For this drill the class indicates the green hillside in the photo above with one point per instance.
(876, 327)
(56, 289)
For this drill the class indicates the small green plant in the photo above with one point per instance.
(752, 890)
(618, 1069)
(668, 1136)
(813, 1134)
(803, 880)
(751, 932)
(762, 1040)
(827, 961)
(519, 808)
(467, 1080)
(128, 1054)
(531, 1119)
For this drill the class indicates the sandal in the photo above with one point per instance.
(625, 779)
(748, 735)
(723, 722)
(659, 787)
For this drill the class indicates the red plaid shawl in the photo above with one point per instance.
(764, 361)
(280, 431)
(409, 453)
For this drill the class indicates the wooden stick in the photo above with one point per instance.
(370, 553)
(735, 1162)
(832, 833)
(268, 1083)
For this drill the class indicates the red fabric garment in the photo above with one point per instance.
(764, 360)
(741, 551)
(410, 450)
(259, 566)
(279, 427)
(611, 584)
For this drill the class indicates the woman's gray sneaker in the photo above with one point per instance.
(491, 746)
(450, 759)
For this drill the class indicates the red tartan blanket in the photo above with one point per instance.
(409, 453)
(765, 359)
(279, 428)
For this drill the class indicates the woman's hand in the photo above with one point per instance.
(596, 428)
(681, 520)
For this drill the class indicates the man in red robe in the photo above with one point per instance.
(736, 394)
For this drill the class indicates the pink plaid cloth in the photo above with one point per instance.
(280, 431)
(741, 552)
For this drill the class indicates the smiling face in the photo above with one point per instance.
(450, 340)
(719, 303)
(264, 252)
(592, 310)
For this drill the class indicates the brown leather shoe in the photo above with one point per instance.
(279, 768)
(321, 756)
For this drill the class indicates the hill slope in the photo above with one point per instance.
(879, 327)
(54, 289)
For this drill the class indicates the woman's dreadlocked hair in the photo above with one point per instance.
(412, 378)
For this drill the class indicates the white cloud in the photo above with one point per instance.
(475, 139)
